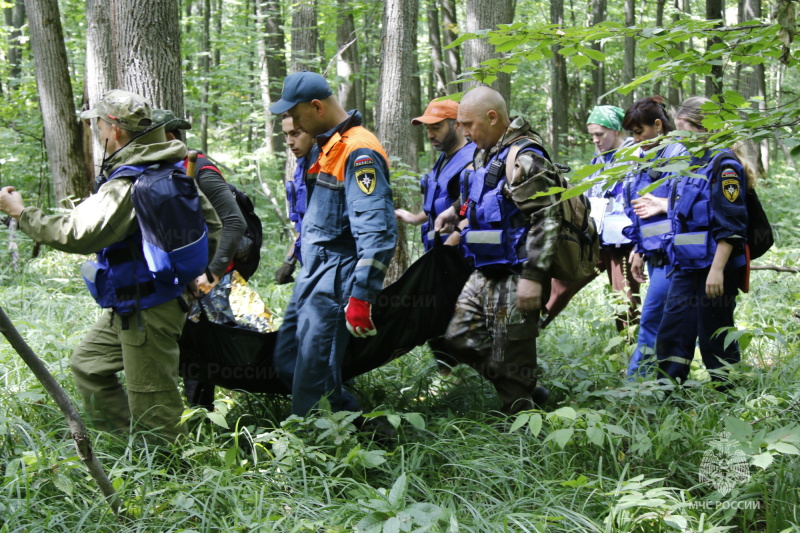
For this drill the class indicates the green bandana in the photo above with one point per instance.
(608, 116)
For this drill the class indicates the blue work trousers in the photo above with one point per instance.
(692, 317)
(313, 338)
(652, 310)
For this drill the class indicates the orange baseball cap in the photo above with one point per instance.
(437, 111)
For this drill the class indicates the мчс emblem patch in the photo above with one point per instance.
(366, 179)
(730, 184)
(363, 160)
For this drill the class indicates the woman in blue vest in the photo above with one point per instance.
(706, 254)
(647, 120)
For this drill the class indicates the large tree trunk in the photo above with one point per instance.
(349, 92)
(439, 81)
(483, 15)
(660, 24)
(395, 108)
(15, 19)
(274, 67)
(99, 70)
(714, 11)
(629, 63)
(62, 132)
(205, 72)
(450, 34)
(560, 92)
(753, 85)
(675, 87)
(147, 50)
(599, 72)
(305, 36)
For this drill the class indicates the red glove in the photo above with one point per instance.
(358, 316)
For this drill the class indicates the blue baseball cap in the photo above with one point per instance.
(301, 87)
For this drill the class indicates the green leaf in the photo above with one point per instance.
(596, 435)
(218, 419)
(580, 61)
(392, 525)
(566, 412)
(581, 481)
(398, 493)
(416, 420)
(535, 424)
(519, 422)
(394, 420)
(762, 460)
(739, 429)
(561, 436)
(784, 447)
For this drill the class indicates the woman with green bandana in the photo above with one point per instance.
(605, 127)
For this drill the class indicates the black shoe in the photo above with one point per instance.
(541, 397)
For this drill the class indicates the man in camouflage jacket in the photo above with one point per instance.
(511, 239)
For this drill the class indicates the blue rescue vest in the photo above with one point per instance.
(650, 234)
(691, 212)
(131, 274)
(497, 229)
(438, 191)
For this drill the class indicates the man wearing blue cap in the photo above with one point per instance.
(348, 239)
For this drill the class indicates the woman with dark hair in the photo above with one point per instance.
(647, 120)
(706, 255)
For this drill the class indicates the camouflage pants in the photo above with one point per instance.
(490, 334)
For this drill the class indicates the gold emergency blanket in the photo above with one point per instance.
(233, 303)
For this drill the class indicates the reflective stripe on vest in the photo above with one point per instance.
(691, 239)
(656, 228)
(484, 237)
(374, 263)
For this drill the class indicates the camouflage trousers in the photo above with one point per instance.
(490, 334)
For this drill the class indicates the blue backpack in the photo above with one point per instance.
(170, 215)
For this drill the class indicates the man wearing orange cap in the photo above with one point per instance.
(440, 187)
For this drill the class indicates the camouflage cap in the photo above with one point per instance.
(166, 118)
(127, 110)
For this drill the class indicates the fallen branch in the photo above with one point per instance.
(776, 268)
(83, 443)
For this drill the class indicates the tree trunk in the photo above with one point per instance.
(205, 73)
(450, 34)
(714, 11)
(99, 70)
(752, 84)
(274, 68)
(629, 61)
(15, 19)
(560, 92)
(349, 92)
(660, 24)
(398, 66)
(486, 15)
(675, 87)
(439, 85)
(147, 50)
(599, 72)
(62, 132)
(305, 36)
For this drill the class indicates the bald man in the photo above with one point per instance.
(510, 238)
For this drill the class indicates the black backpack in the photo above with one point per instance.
(248, 254)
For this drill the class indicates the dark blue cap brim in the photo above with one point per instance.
(281, 106)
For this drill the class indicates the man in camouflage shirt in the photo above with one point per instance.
(511, 239)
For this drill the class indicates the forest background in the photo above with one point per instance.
(613, 456)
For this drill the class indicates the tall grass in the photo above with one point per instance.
(612, 456)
